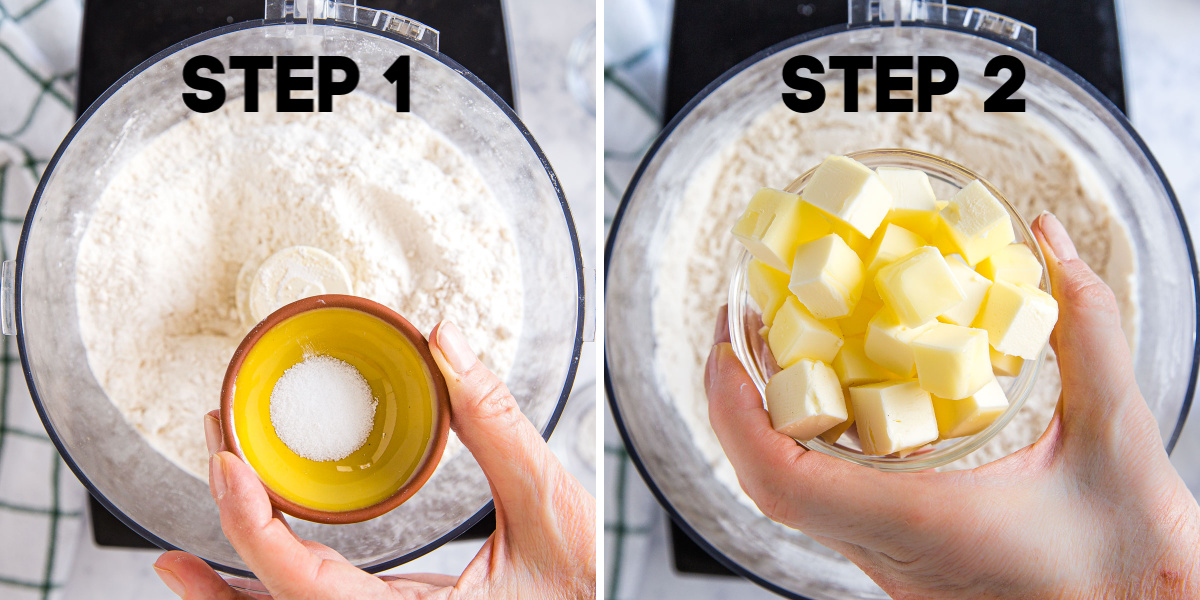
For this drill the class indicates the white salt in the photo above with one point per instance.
(322, 408)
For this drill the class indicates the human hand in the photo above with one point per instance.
(1092, 509)
(543, 547)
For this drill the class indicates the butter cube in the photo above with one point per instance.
(1014, 263)
(853, 367)
(833, 434)
(893, 416)
(890, 242)
(805, 399)
(919, 286)
(774, 224)
(914, 206)
(887, 342)
(768, 288)
(974, 287)
(856, 322)
(851, 192)
(796, 334)
(1018, 318)
(857, 241)
(960, 418)
(952, 361)
(827, 277)
(976, 223)
(1005, 365)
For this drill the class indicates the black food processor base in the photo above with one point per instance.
(120, 34)
(708, 37)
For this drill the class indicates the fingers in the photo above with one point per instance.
(212, 432)
(284, 564)
(1093, 354)
(435, 580)
(191, 578)
(513, 455)
(818, 494)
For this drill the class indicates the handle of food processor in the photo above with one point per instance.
(304, 12)
(8, 297)
(879, 12)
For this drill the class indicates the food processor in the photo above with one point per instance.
(1101, 141)
(149, 493)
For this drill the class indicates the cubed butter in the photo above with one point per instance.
(914, 206)
(796, 334)
(805, 400)
(857, 241)
(893, 416)
(768, 288)
(775, 223)
(890, 242)
(952, 361)
(887, 342)
(850, 192)
(833, 434)
(976, 223)
(1014, 263)
(853, 367)
(856, 322)
(960, 418)
(1005, 365)
(827, 277)
(1018, 318)
(919, 286)
(974, 287)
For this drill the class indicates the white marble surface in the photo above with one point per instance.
(541, 32)
(1162, 77)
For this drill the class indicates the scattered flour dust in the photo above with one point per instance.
(1012, 151)
(322, 408)
(404, 211)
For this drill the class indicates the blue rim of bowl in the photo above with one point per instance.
(126, 78)
(669, 128)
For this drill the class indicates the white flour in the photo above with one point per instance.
(1011, 150)
(399, 206)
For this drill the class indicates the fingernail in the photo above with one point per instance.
(710, 369)
(455, 348)
(212, 434)
(171, 581)
(216, 476)
(1056, 237)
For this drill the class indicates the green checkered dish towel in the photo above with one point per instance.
(634, 77)
(40, 499)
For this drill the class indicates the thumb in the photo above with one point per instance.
(1098, 384)
(514, 457)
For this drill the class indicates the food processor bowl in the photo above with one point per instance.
(1102, 142)
(144, 489)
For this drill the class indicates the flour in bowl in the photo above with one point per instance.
(399, 206)
(1011, 150)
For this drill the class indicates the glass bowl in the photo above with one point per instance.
(745, 317)
(148, 492)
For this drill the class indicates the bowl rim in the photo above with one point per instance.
(441, 398)
(669, 128)
(958, 447)
(43, 416)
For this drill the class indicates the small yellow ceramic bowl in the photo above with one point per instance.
(412, 415)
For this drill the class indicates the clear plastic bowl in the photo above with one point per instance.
(744, 316)
(660, 443)
(149, 493)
